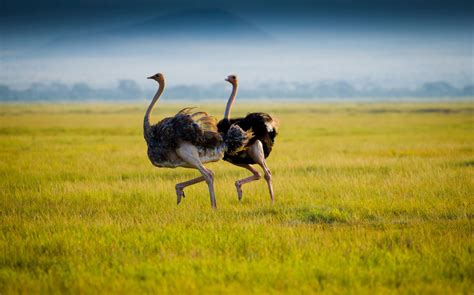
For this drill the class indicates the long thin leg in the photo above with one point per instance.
(238, 184)
(256, 153)
(180, 186)
(268, 178)
(189, 153)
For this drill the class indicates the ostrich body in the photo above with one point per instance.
(188, 140)
(258, 147)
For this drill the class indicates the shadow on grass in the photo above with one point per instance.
(303, 215)
(324, 215)
(468, 163)
(347, 170)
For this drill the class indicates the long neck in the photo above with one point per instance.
(230, 102)
(146, 120)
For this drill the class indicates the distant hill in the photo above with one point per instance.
(197, 24)
(194, 25)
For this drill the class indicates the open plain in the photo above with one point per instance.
(370, 197)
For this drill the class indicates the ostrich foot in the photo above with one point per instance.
(180, 187)
(238, 186)
(179, 194)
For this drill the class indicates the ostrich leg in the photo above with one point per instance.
(189, 153)
(238, 184)
(256, 153)
(268, 177)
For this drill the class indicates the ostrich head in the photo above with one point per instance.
(158, 77)
(232, 79)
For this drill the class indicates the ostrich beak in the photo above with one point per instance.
(226, 79)
(151, 77)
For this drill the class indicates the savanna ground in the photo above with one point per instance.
(369, 198)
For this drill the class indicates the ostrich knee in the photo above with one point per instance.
(209, 176)
(268, 176)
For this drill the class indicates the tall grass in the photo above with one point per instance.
(369, 198)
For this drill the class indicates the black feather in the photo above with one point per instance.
(236, 139)
(259, 124)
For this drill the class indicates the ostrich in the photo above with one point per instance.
(188, 140)
(259, 146)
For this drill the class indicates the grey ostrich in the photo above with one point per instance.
(188, 140)
(259, 146)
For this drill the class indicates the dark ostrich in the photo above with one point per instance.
(259, 146)
(188, 140)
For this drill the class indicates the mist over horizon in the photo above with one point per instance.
(368, 47)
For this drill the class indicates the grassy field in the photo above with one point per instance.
(369, 198)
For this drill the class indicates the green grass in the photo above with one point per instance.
(369, 198)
